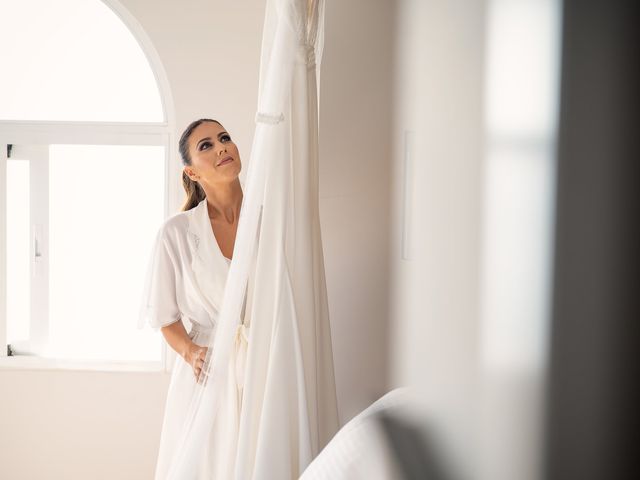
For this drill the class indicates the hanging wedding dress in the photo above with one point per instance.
(265, 402)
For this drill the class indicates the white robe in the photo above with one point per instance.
(186, 261)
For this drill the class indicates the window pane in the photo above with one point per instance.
(106, 203)
(522, 75)
(522, 64)
(72, 60)
(517, 254)
(18, 259)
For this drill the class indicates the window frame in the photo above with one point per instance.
(81, 133)
(100, 133)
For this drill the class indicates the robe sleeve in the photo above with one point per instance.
(158, 305)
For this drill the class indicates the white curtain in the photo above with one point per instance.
(289, 409)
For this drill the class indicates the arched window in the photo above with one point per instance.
(86, 122)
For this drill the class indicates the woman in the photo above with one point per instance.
(210, 175)
(186, 281)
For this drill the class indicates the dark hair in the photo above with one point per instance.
(195, 193)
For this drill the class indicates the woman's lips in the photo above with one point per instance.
(226, 160)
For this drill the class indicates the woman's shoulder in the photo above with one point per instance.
(175, 224)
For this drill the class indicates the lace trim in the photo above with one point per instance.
(272, 118)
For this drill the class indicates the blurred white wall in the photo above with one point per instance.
(436, 214)
(474, 119)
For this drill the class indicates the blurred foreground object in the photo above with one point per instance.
(383, 442)
(593, 401)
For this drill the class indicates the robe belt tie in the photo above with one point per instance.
(306, 55)
(198, 328)
(241, 344)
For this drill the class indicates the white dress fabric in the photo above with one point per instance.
(286, 410)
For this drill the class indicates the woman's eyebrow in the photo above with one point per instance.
(202, 140)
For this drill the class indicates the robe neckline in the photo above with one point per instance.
(204, 212)
(210, 267)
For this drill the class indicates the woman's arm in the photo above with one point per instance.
(177, 337)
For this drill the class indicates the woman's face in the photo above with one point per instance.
(214, 156)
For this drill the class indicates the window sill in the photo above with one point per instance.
(28, 362)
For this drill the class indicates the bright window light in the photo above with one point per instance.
(105, 205)
(73, 60)
(523, 44)
(522, 52)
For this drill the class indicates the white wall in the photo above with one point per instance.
(435, 292)
(81, 424)
(355, 169)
